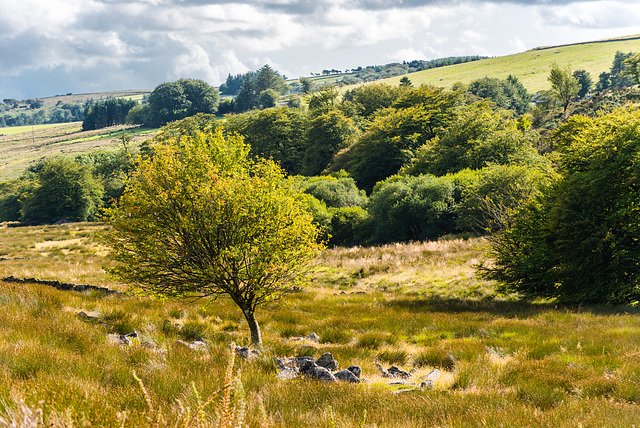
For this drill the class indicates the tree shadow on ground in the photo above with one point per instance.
(516, 308)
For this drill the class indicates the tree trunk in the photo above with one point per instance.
(256, 337)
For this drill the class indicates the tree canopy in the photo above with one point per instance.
(183, 98)
(200, 218)
(579, 239)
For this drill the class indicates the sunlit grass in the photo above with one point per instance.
(502, 362)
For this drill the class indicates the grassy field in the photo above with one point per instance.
(26, 146)
(517, 363)
(531, 67)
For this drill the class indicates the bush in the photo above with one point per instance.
(412, 208)
(349, 226)
(578, 240)
(337, 192)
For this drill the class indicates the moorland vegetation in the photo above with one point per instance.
(411, 188)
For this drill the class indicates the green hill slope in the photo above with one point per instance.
(531, 67)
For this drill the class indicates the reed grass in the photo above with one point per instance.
(502, 361)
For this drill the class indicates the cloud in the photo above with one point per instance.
(92, 44)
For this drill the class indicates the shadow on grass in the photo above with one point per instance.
(517, 308)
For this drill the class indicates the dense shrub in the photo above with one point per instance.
(412, 208)
(578, 241)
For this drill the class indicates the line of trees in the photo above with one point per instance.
(107, 113)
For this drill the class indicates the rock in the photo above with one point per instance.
(284, 363)
(433, 375)
(346, 376)
(313, 371)
(287, 374)
(311, 338)
(243, 352)
(396, 372)
(119, 339)
(196, 345)
(327, 361)
(384, 372)
(427, 384)
(356, 370)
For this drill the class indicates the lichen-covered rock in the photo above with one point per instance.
(287, 374)
(396, 372)
(327, 361)
(346, 376)
(356, 370)
(196, 345)
(313, 371)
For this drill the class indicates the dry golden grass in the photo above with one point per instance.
(515, 363)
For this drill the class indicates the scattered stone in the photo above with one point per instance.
(245, 352)
(356, 370)
(287, 374)
(291, 363)
(60, 285)
(433, 375)
(119, 339)
(384, 372)
(313, 371)
(346, 376)
(396, 372)
(327, 361)
(195, 345)
(427, 384)
(311, 338)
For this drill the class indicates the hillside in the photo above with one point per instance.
(531, 67)
(136, 94)
(22, 146)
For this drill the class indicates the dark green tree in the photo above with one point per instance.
(412, 208)
(584, 81)
(65, 189)
(268, 98)
(276, 133)
(185, 97)
(326, 135)
(578, 241)
(247, 98)
(307, 84)
(267, 78)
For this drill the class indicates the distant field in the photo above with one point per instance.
(21, 147)
(134, 94)
(531, 67)
(12, 130)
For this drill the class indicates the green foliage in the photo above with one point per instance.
(508, 94)
(277, 133)
(268, 98)
(307, 85)
(336, 192)
(490, 197)
(584, 81)
(107, 113)
(564, 85)
(578, 241)
(632, 67)
(200, 218)
(394, 134)
(349, 226)
(10, 195)
(327, 134)
(64, 189)
(325, 100)
(477, 137)
(367, 99)
(407, 208)
(267, 78)
(183, 98)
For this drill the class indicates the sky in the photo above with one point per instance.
(51, 47)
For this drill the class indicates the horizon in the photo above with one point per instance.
(54, 47)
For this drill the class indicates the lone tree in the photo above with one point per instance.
(563, 85)
(199, 218)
